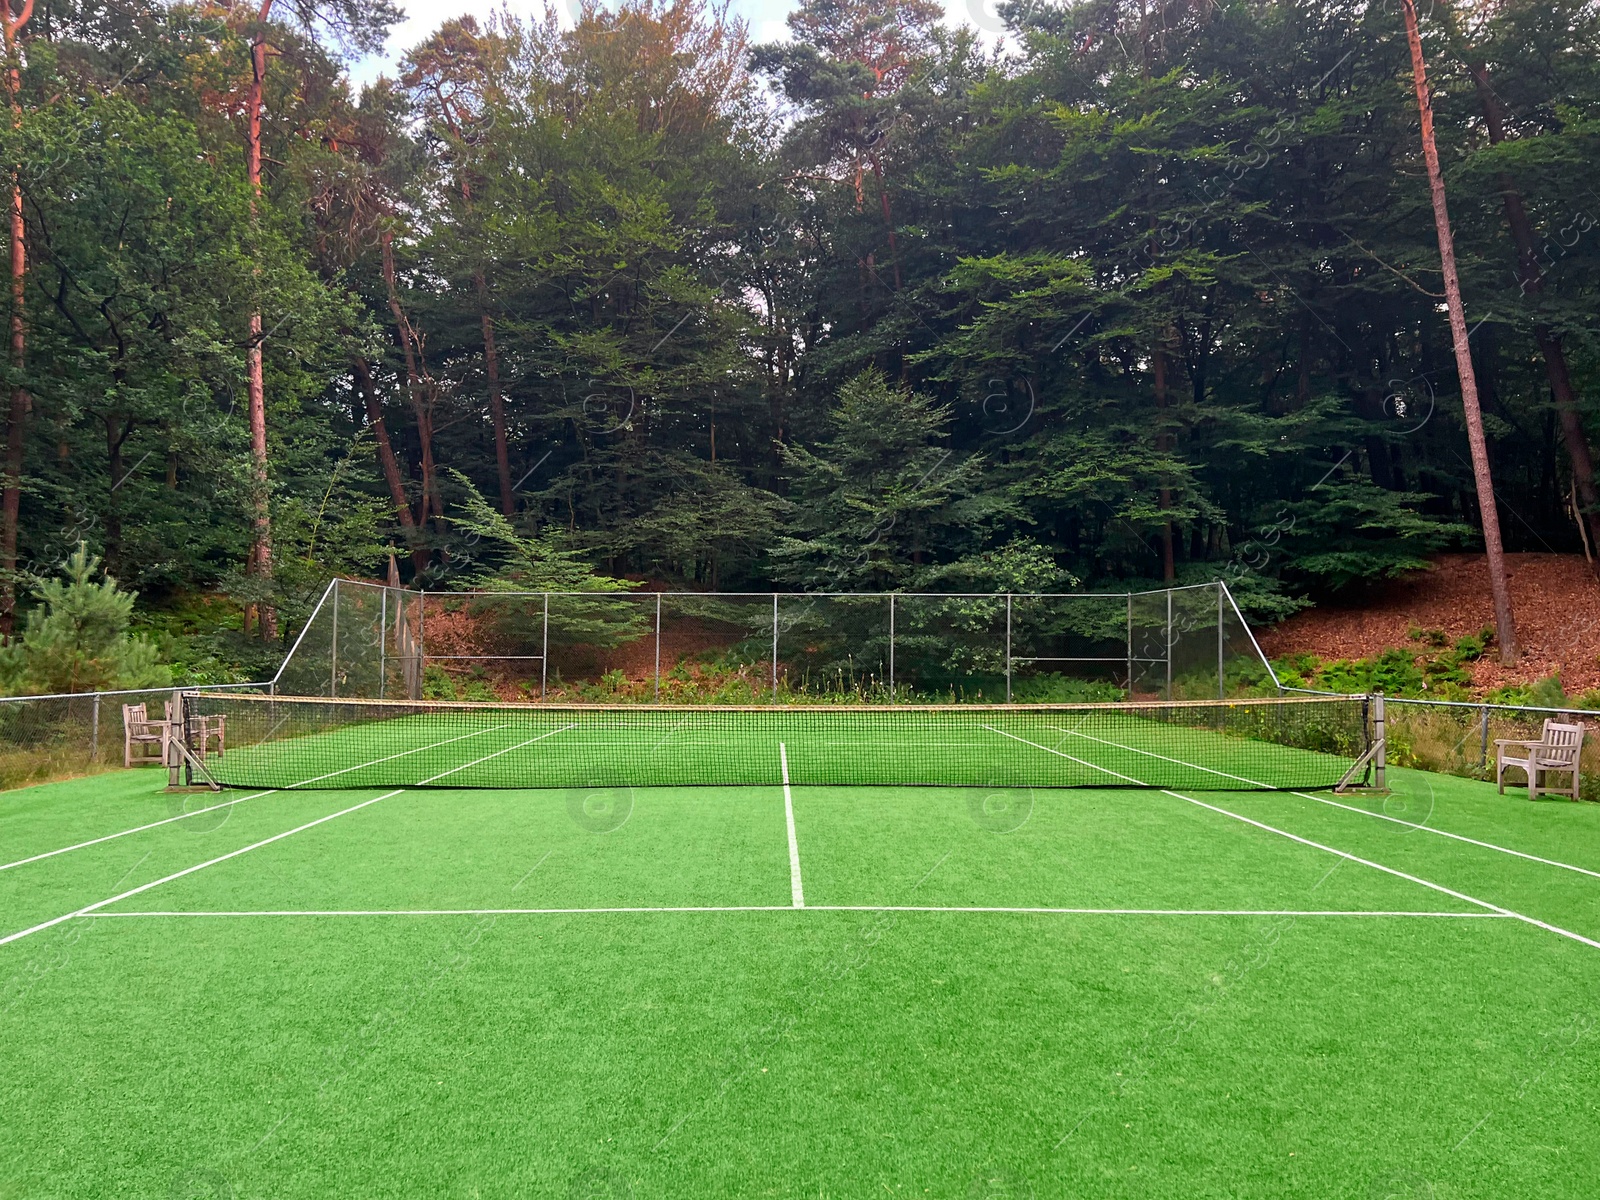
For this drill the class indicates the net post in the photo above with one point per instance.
(383, 639)
(774, 647)
(1130, 645)
(175, 734)
(1008, 647)
(1381, 742)
(657, 699)
(1222, 684)
(891, 647)
(544, 650)
(333, 657)
(1169, 643)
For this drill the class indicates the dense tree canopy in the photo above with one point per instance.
(1154, 293)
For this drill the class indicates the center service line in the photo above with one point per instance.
(797, 893)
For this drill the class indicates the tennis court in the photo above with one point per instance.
(794, 989)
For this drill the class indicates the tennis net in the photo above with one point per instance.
(309, 742)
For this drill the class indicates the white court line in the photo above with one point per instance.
(87, 910)
(226, 803)
(1367, 862)
(1152, 754)
(497, 753)
(815, 908)
(414, 750)
(137, 829)
(796, 892)
(1063, 754)
(1549, 862)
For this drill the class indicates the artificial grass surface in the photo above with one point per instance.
(798, 1053)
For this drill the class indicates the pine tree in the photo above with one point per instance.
(77, 640)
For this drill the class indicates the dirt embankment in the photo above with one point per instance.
(1555, 601)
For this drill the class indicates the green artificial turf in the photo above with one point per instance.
(725, 1051)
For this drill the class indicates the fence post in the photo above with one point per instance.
(774, 647)
(1169, 643)
(1130, 645)
(1008, 647)
(422, 637)
(383, 639)
(1222, 683)
(658, 649)
(1483, 748)
(333, 657)
(891, 647)
(544, 650)
(94, 731)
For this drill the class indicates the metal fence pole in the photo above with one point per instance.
(1130, 645)
(333, 657)
(1169, 643)
(1008, 647)
(544, 650)
(383, 640)
(94, 731)
(774, 647)
(658, 648)
(422, 636)
(1483, 747)
(891, 647)
(1222, 683)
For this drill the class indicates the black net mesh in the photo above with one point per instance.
(302, 742)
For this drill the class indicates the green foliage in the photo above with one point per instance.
(77, 639)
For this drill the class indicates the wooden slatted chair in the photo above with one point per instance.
(139, 732)
(1558, 751)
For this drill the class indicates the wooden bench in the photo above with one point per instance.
(140, 730)
(1557, 751)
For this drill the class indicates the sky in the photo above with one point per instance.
(766, 18)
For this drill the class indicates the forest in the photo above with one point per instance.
(617, 297)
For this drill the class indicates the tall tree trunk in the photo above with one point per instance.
(888, 220)
(255, 379)
(416, 385)
(390, 464)
(1532, 279)
(11, 24)
(497, 402)
(1505, 630)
